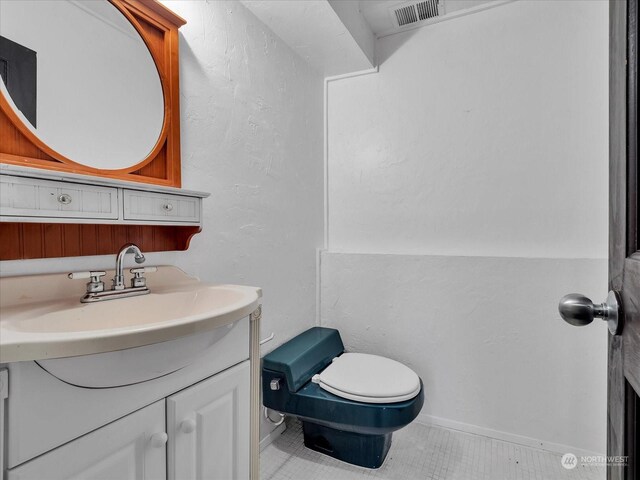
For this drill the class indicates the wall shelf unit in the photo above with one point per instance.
(45, 214)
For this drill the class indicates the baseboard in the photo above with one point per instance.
(425, 419)
(271, 436)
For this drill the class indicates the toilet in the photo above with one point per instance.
(349, 403)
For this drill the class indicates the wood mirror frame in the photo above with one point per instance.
(158, 27)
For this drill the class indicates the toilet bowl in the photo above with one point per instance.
(349, 403)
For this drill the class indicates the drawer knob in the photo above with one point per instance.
(159, 439)
(167, 207)
(188, 426)
(64, 199)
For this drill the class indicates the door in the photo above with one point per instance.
(132, 448)
(622, 308)
(208, 426)
(624, 239)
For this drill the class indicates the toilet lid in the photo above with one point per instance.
(369, 379)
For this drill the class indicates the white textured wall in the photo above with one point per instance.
(481, 141)
(485, 336)
(251, 135)
(482, 135)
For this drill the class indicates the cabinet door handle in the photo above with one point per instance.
(64, 199)
(188, 426)
(159, 439)
(167, 207)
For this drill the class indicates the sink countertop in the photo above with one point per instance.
(41, 315)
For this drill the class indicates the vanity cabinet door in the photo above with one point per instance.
(208, 426)
(132, 448)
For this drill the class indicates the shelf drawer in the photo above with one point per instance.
(32, 197)
(150, 206)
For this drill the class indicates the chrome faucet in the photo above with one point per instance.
(118, 279)
(95, 286)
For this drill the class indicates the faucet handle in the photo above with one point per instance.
(138, 279)
(95, 284)
(91, 275)
(141, 270)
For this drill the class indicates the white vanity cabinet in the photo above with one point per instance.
(132, 448)
(208, 426)
(205, 434)
(192, 424)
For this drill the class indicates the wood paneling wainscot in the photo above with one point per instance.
(20, 241)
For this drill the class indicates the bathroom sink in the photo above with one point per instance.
(164, 309)
(128, 339)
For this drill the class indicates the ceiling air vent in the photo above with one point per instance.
(406, 15)
(410, 13)
(428, 9)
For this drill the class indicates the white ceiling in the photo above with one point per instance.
(315, 31)
(376, 12)
(337, 37)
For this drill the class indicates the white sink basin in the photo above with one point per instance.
(116, 342)
(72, 318)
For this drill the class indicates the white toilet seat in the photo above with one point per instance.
(369, 379)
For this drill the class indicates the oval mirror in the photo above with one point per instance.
(81, 78)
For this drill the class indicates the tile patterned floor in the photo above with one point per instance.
(423, 452)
